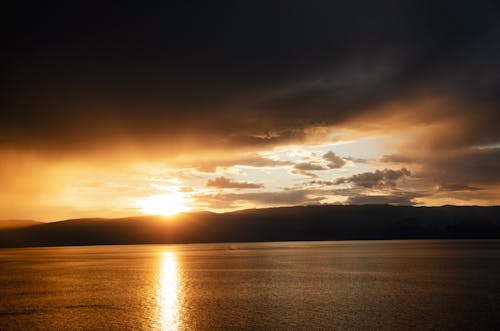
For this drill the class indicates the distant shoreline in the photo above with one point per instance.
(261, 242)
(285, 224)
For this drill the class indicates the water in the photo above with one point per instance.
(255, 286)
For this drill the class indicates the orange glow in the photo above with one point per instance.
(164, 204)
(168, 293)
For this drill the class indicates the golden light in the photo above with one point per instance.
(167, 295)
(164, 204)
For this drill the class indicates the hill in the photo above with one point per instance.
(9, 224)
(272, 224)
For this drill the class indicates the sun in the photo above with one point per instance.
(164, 204)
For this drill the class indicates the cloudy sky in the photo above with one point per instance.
(117, 110)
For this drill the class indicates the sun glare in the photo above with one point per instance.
(164, 204)
(169, 290)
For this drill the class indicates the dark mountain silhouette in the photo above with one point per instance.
(273, 224)
(9, 224)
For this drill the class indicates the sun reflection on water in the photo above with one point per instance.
(167, 295)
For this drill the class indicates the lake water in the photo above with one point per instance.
(421, 284)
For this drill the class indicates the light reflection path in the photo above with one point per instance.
(167, 294)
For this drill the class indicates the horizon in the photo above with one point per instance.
(275, 224)
(200, 211)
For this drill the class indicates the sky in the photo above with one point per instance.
(162, 107)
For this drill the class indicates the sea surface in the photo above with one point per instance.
(348, 285)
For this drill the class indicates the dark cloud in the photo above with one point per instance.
(180, 79)
(278, 198)
(304, 173)
(455, 187)
(454, 168)
(471, 167)
(395, 158)
(309, 166)
(223, 182)
(322, 182)
(305, 168)
(396, 198)
(386, 178)
(298, 196)
(231, 74)
(334, 161)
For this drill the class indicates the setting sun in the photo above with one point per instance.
(164, 204)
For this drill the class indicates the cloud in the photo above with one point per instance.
(201, 87)
(355, 159)
(397, 198)
(455, 187)
(454, 166)
(223, 182)
(303, 173)
(181, 82)
(322, 182)
(473, 167)
(334, 161)
(386, 178)
(309, 166)
(253, 160)
(329, 160)
(274, 198)
(395, 158)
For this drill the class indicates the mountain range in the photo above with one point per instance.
(323, 222)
